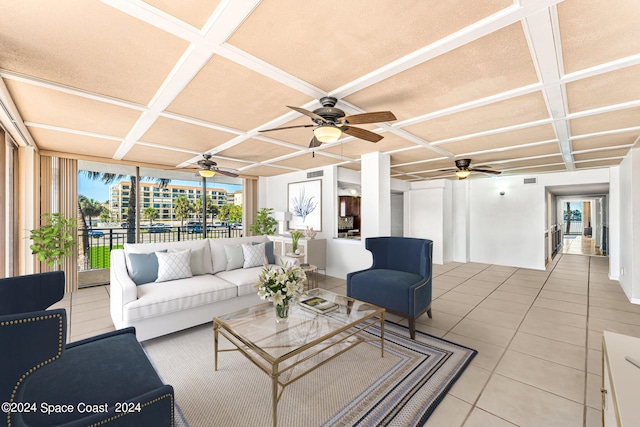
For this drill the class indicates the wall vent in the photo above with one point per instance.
(315, 174)
(530, 180)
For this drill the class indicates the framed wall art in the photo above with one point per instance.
(305, 204)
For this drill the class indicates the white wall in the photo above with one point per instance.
(629, 245)
(460, 221)
(397, 215)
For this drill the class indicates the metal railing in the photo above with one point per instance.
(95, 245)
(575, 227)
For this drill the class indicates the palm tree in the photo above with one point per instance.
(181, 209)
(109, 178)
(150, 213)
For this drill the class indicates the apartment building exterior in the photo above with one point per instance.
(163, 199)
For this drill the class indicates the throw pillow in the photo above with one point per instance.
(268, 251)
(253, 255)
(235, 258)
(197, 261)
(173, 266)
(144, 267)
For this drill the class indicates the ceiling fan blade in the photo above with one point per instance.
(486, 171)
(226, 173)
(448, 170)
(314, 143)
(375, 117)
(307, 113)
(286, 127)
(361, 133)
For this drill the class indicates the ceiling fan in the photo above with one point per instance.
(464, 169)
(208, 168)
(331, 122)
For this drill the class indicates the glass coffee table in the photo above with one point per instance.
(288, 351)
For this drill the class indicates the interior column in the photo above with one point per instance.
(375, 204)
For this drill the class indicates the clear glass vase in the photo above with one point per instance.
(282, 312)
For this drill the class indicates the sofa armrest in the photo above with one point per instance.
(122, 289)
(29, 341)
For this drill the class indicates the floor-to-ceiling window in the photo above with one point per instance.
(8, 247)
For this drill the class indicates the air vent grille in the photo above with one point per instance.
(530, 180)
(315, 174)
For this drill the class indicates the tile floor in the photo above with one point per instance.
(538, 336)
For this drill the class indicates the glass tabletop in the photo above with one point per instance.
(256, 329)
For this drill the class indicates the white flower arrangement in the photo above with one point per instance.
(281, 285)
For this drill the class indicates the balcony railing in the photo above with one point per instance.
(101, 241)
(575, 227)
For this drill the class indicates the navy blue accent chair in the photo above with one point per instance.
(399, 279)
(38, 367)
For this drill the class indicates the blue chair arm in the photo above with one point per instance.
(420, 296)
(34, 292)
(129, 330)
(29, 341)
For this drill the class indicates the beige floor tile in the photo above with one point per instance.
(524, 282)
(459, 272)
(525, 406)
(496, 318)
(470, 383)
(89, 315)
(93, 333)
(429, 330)
(562, 287)
(564, 306)
(615, 296)
(562, 333)
(83, 328)
(488, 354)
(481, 284)
(473, 290)
(451, 412)
(451, 279)
(563, 296)
(504, 306)
(511, 297)
(451, 307)
(594, 393)
(86, 298)
(89, 306)
(615, 305)
(462, 297)
(610, 287)
(594, 340)
(437, 292)
(552, 377)
(442, 284)
(600, 325)
(480, 418)
(594, 418)
(560, 317)
(488, 276)
(442, 321)
(517, 289)
(594, 362)
(482, 331)
(544, 348)
(616, 315)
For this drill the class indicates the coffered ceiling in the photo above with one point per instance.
(521, 86)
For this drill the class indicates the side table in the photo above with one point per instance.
(311, 272)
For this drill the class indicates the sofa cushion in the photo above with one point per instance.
(268, 251)
(197, 261)
(253, 255)
(160, 298)
(144, 267)
(143, 248)
(243, 278)
(174, 265)
(234, 255)
(218, 253)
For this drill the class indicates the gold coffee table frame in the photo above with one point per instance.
(288, 351)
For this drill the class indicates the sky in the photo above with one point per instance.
(98, 191)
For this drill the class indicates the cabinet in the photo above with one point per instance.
(620, 380)
(314, 250)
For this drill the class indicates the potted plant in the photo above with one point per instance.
(53, 241)
(265, 223)
(295, 236)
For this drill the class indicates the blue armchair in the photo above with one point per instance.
(104, 380)
(399, 279)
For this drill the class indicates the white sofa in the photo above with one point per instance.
(159, 308)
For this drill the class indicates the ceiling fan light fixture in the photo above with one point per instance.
(206, 173)
(327, 133)
(463, 173)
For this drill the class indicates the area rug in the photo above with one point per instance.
(358, 388)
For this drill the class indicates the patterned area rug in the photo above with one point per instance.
(358, 388)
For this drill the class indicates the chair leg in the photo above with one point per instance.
(412, 327)
(429, 312)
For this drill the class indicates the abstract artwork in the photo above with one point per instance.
(305, 205)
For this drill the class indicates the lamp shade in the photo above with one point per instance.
(463, 173)
(207, 173)
(282, 216)
(327, 133)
